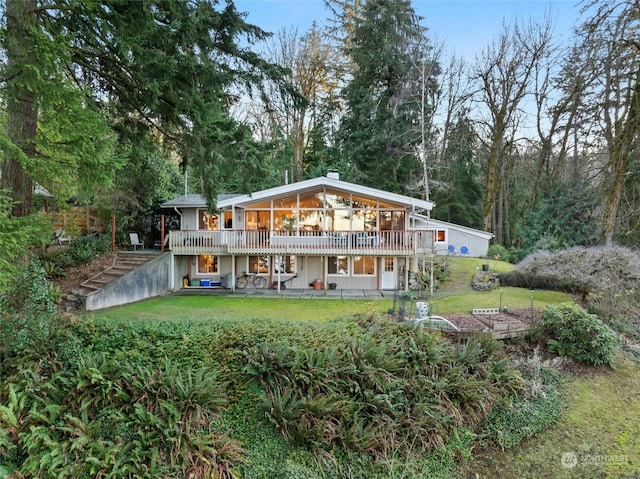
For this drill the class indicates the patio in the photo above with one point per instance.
(299, 293)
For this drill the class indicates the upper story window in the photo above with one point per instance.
(207, 221)
(327, 210)
(258, 220)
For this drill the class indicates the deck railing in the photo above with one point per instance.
(388, 243)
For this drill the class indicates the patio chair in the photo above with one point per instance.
(158, 243)
(464, 251)
(451, 249)
(61, 237)
(135, 241)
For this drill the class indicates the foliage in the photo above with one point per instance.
(525, 415)
(571, 330)
(499, 252)
(392, 388)
(549, 283)
(27, 312)
(607, 277)
(459, 193)
(441, 271)
(381, 107)
(160, 72)
(17, 237)
(119, 418)
(562, 217)
(80, 251)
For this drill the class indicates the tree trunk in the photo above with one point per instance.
(620, 152)
(22, 108)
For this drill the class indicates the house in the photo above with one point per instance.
(450, 237)
(322, 230)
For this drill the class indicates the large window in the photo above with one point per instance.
(285, 220)
(287, 265)
(258, 264)
(258, 220)
(364, 265)
(207, 221)
(207, 264)
(338, 265)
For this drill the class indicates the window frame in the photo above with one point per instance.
(366, 259)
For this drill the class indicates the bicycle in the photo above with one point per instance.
(251, 279)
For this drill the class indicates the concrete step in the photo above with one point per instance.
(124, 264)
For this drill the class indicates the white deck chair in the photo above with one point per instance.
(135, 241)
(62, 237)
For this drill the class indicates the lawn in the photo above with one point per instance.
(601, 426)
(456, 297)
(224, 307)
(598, 437)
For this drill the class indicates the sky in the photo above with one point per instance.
(464, 26)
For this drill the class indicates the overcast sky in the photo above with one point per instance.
(465, 26)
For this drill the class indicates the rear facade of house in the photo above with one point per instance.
(322, 231)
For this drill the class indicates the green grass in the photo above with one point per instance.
(602, 420)
(456, 297)
(601, 427)
(224, 307)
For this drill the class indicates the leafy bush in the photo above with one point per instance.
(422, 280)
(27, 312)
(80, 251)
(391, 388)
(573, 331)
(122, 419)
(524, 415)
(608, 278)
(497, 251)
(518, 279)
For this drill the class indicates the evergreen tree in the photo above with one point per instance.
(171, 66)
(459, 197)
(376, 134)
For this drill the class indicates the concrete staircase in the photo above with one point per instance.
(125, 262)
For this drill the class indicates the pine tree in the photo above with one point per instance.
(170, 67)
(376, 134)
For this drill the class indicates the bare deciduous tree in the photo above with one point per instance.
(611, 38)
(503, 72)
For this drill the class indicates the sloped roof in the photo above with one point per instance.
(433, 223)
(324, 181)
(192, 201)
(229, 200)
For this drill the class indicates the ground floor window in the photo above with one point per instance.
(287, 264)
(258, 264)
(441, 236)
(364, 265)
(207, 264)
(338, 265)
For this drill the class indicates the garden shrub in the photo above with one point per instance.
(391, 388)
(572, 331)
(79, 251)
(608, 277)
(526, 414)
(117, 419)
(27, 312)
(499, 252)
(518, 279)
